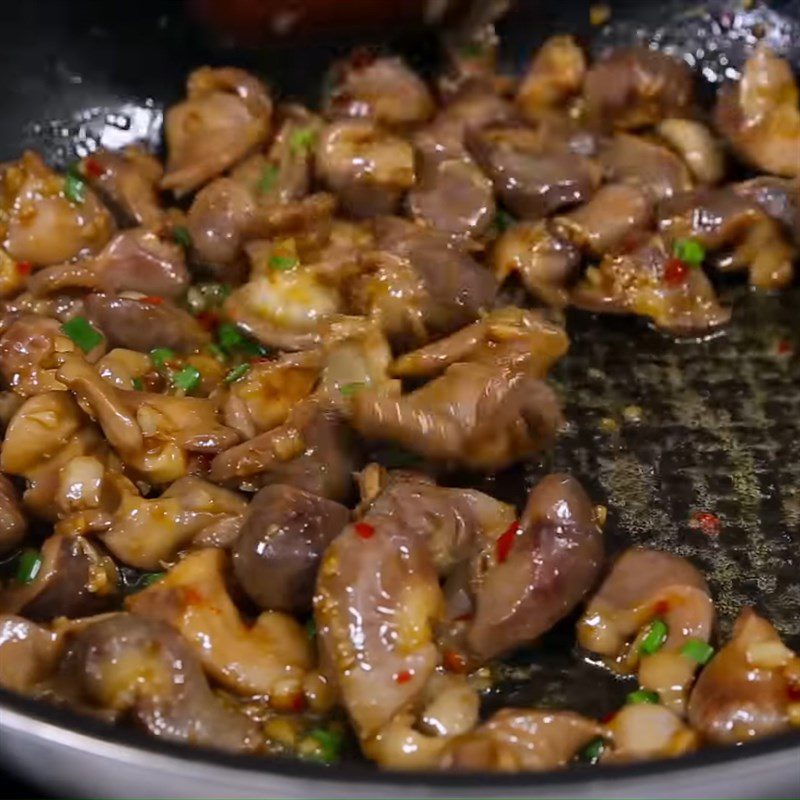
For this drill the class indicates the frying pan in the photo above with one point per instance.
(658, 430)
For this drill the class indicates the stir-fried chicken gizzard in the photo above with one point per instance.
(204, 364)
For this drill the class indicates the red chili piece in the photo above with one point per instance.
(784, 347)
(661, 608)
(505, 542)
(604, 720)
(708, 523)
(675, 272)
(191, 597)
(454, 662)
(402, 677)
(153, 300)
(208, 320)
(364, 530)
(93, 168)
(24, 267)
(298, 703)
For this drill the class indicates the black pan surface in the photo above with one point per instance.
(658, 430)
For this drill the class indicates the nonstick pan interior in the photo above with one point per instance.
(659, 430)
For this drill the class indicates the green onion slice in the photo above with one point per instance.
(187, 379)
(217, 351)
(149, 578)
(311, 628)
(237, 372)
(330, 743)
(698, 651)
(81, 331)
(74, 186)
(471, 50)
(655, 637)
(282, 263)
(160, 356)
(503, 220)
(690, 251)
(349, 389)
(302, 140)
(268, 178)
(28, 566)
(592, 752)
(181, 236)
(229, 336)
(138, 384)
(642, 696)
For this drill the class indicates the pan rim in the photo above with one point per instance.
(117, 739)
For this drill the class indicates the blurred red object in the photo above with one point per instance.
(253, 21)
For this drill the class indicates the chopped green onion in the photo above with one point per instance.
(237, 372)
(187, 379)
(642, 696)
(160, 356)
(471, 49)
(330, 743)
(311, 628)
(503, 220)
(181, 236)
(282, 263)
(229, 336)
(149, 578)
(349, 389)
(302, 140)
(698, 651)
(690, 251)
(655, 637)
(138, 384)
(252, 349)
(30, 562)
(268, 178)
(217, 351)
(80, 330)
(74, 186)
(592, 752)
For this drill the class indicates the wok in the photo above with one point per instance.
(657, 430)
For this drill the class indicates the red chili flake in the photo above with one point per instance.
(364, 530)
(793, 690)
(708, 523)
(454, 662)
(604, 720)
(468, 617)
(208, 320)
(298, 703)
(153, 300)
(191, 597)
(93, 168)
(505, 542)
(403, 677)
(675, 272)
(24, 267)
(784, 347)
(661, 608)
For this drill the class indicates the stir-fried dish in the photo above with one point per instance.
(200, 359)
